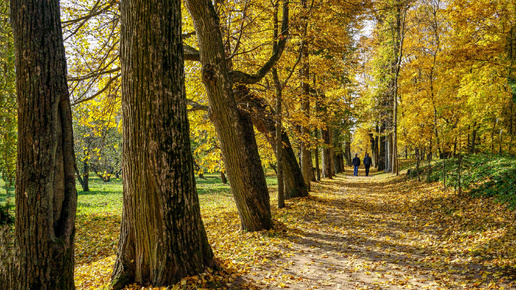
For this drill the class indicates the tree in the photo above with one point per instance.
(46, 198)
(233, 125)
(306, 155)
(7, 105)
(169, 242)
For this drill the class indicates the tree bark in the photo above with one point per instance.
(338, 163)
(317, 157)
(233, 126)
(374, 149)
(326, 155)
(278, 136)
(347, 152)
(223, 177)
(46, 198)
(86, 173)
(306, 154)
(381, 153)
(332, 153)
(162, 236)
(261, 115)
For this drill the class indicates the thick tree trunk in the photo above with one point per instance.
(162, 236)
(46, 198)
(233, 126)
(264, 123)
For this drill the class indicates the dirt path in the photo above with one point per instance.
(380, 232)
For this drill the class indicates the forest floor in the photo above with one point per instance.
(376, 232)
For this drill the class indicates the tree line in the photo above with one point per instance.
(234, 85)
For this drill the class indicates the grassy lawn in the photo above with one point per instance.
(99, 213)
(3, 193)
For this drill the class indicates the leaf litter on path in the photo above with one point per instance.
(377, 232)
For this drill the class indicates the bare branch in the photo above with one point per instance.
(99, 92)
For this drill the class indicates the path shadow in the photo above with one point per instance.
(392, 221)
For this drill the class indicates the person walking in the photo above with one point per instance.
(356, 163)
(367, 163)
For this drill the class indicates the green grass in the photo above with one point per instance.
(107, 196)
(3, 194)
(486, 175)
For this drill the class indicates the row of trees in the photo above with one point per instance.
(261, 80)
(439, 79)
(146, 67)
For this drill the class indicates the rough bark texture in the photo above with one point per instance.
(46, 198)
(261, 115)
(162, 236)
(233, 126)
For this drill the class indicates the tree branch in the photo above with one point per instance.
(191, 53)
(241, 77)
(196, 106)
(99, 92)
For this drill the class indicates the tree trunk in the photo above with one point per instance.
(233, 126)
(278, 136)
(388, 149)
(347, 152)
(338, 163)
(317, 156)
(306, 156)
(46, 198)
(332, 154)
(162, 236)
(326, 155)
(223, 177)
(381, 154)
(86, 171)
(265, 124)
(374, 149)
(472, 148)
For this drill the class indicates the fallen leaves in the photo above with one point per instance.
(351, 233)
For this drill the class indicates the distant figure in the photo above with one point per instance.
(367, 163)
(356, 163)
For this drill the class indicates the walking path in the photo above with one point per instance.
(383, 232)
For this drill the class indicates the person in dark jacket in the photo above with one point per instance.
(367, 163)
(356, 163)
